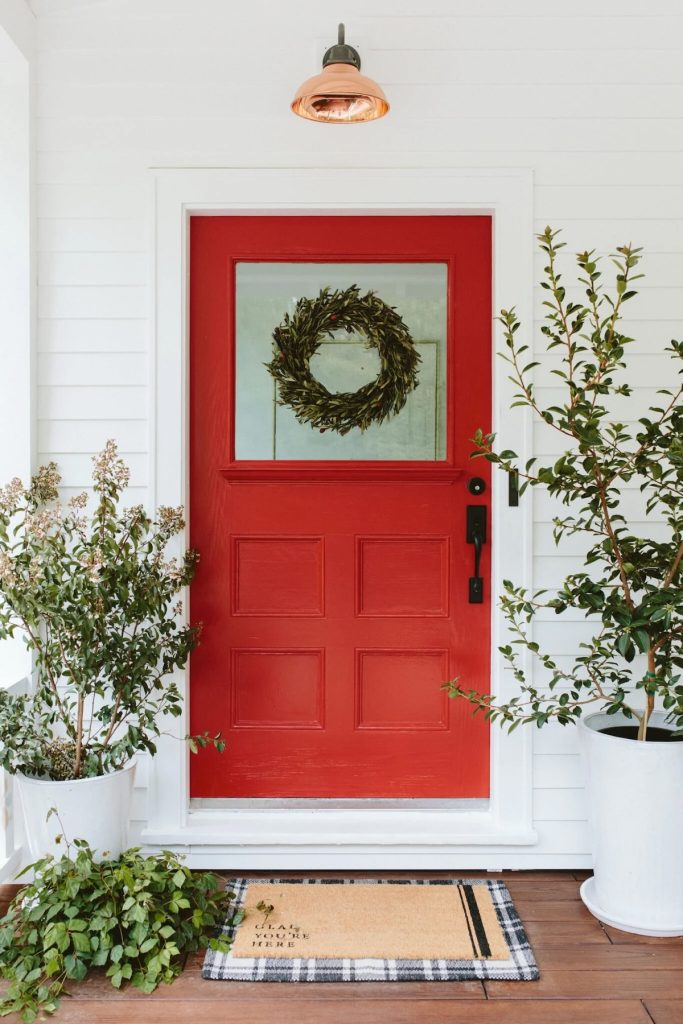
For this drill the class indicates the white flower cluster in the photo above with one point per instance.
(45, 482)
(39, 524)
(76, 505)
(92, 564)
(171, 520)
(109, 468)
(8, 572)
(11, 496)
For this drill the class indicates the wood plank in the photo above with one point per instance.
(523, 889)
(665, 1011)
(191, 987)
(552, 910)
(587, 984)
(629, 938)
(335, 1011)
(609, 958)
(543, 934)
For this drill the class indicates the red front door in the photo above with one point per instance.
(334, 571)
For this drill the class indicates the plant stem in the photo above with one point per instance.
(51, 679)
(650, 697)
(112, 725)
(674, 568)
(607, 519)
(79, 736)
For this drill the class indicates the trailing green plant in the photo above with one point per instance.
(134, 916)
(631, 584)
(97, 601)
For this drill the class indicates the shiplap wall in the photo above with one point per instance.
(591, 98)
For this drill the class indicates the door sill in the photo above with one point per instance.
(253, 829)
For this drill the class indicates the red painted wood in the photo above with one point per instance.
(334, 595)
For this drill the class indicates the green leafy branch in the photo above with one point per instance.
(632, 584)
(135, 917)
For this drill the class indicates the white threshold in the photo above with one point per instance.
(236, 831)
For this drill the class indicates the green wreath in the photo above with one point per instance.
(300, 336)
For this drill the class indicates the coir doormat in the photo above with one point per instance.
(341, 929)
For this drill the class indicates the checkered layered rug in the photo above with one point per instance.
(467, 929)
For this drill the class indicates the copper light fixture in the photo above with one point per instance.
(340, 94)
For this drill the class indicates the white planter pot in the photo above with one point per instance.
(635, 801)
(97, 810)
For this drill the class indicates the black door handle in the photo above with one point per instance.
(476, 535)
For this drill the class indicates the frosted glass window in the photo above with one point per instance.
(264, 429)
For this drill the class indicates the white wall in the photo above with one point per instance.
(591, 99)
(17, 26)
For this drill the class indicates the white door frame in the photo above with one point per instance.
(323, 836)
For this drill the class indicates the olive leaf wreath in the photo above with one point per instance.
(299, 337)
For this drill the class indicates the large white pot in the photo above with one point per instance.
(635, 800)
(97, 810)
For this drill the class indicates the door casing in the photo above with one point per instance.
(339, 837)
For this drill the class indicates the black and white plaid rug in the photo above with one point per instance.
(520, 967)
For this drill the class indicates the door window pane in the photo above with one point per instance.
(265, 429)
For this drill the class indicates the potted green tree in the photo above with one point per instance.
(630, 589)
(96, 599)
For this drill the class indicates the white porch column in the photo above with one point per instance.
(16, 268)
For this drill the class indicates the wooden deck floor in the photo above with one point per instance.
(590, 974)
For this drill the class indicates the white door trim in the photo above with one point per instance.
(343, 837)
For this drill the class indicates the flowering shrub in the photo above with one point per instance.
(96, 600)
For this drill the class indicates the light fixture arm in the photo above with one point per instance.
(341, 52)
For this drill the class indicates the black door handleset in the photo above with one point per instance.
(476, 535)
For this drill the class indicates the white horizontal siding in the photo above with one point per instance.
(93, 334)
(63, 437)
(169, 136)
(118, 66)
(559, 805)
(558, 771)
(129, 100)
(112, 302)
(591, 98)
(551, 167)
(99, 369)
(229, 32)
(56, 269)
(386, 8)
(89, 402)
(93, 235)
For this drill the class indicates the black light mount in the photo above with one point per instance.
(341, 52)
